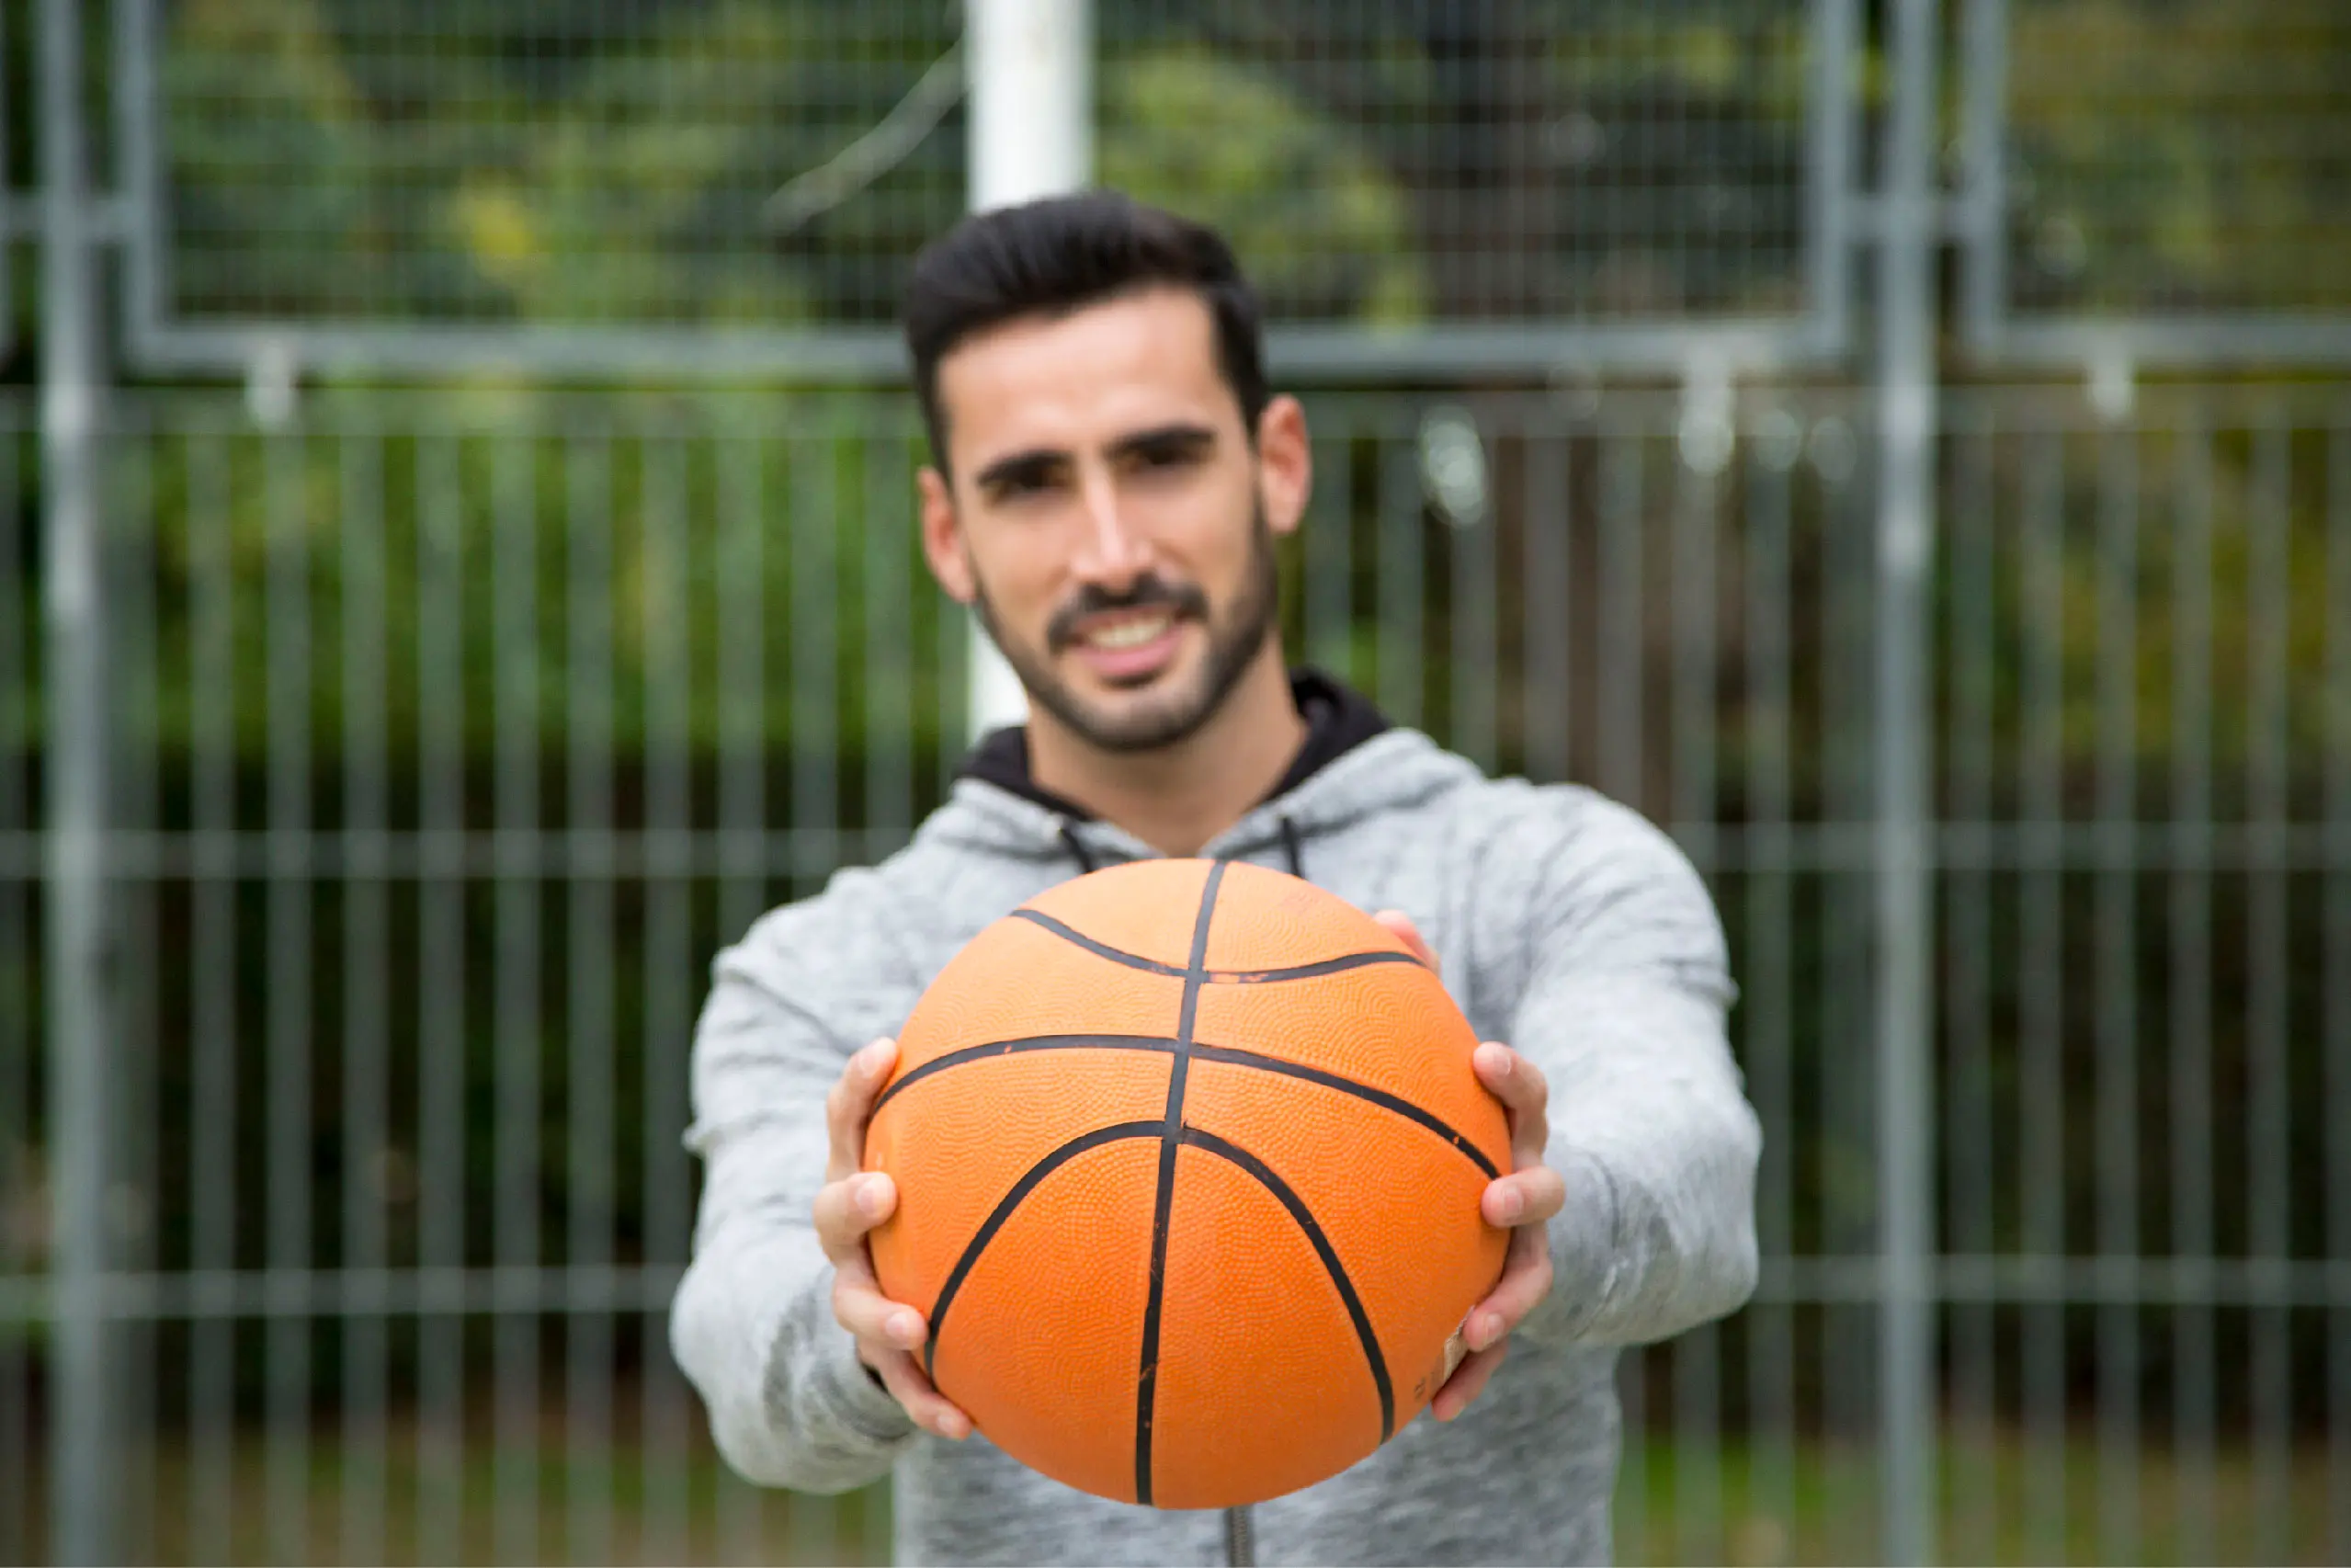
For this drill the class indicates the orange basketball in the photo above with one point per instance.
(1188, 1156)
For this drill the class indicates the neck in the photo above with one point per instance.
(1179, 797)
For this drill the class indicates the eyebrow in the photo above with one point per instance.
(1179, 437)
(1035, 462)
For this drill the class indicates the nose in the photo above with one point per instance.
(1114, 555)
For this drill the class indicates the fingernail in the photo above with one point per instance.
(1510, 1205)
(906, 1329)
(869, 1198)
(953, 1427)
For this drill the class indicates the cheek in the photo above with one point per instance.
(1022, 572)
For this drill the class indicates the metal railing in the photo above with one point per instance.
(449, 748)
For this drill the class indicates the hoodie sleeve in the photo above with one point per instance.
(751, 1325)
(1624, 1005)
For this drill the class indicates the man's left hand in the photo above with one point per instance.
(1523, 1203)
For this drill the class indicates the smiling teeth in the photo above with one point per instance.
(1129, 633)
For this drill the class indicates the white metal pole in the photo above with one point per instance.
(84, 1483)
(1031, 110)
(1906, 389)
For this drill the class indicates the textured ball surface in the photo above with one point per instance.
(1188, 1156)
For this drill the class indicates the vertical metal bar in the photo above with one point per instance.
(2117, 981)
(2269, 1195)
(1969, 1117)
(1830, 160)
(366, 990)
(130, 565)
(19, 1052)
(82, 1031)
(1697, 1481)
(1983, 157)
(1330, 553)
(442, 1046)
(2190, 976)
(889, 671)
(1030, 120)
(287, 1011)
(1848, 1215)
(1905, 1131)
(1623, 598)
(1546, 606)
(814, 536)
(741, 583)
(514, 586)
(815, 533)
(7, 284)
(1769, 978)
(212, 1173)
(1474, 611)
(138, 168)
(2335, 1025)
(590, 963)
(668, 1436)
(2041, 978)
(1621, 653)
(1402, 589)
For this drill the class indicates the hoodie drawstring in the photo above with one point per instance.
(1076, 846)
(1292, 848)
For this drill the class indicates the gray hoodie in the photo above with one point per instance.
(1566, 925)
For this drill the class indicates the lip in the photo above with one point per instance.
(1128, 666)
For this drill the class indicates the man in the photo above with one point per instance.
(1111, 475)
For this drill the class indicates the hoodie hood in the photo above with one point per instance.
(1353, 762)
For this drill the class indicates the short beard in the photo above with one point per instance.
(1233, 645)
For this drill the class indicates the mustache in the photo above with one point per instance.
(1144, 593)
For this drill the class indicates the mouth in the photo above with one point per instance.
(1129, 647)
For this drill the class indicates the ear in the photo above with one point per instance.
(1285, 463)
(943, 538)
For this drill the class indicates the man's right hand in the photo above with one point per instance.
(851, 1203)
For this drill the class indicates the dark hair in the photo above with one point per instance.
(1054, 255)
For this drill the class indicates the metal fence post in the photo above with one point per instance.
(80, 1033)
(1907, 237)
(1032, 65)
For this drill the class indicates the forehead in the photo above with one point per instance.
(1078, 379)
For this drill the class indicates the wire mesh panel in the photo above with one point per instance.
(2156, 163)
(452, 743)
(739, 186)
(553, 161)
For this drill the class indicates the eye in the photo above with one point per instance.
(1022, 482)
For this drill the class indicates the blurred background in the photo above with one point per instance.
(456, 567)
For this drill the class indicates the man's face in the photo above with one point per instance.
(1108, 515)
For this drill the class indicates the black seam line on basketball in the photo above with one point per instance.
(1171, 1131)
(1012, 1200)
(1235, 1057)
(1288, 1198)
(1030, 1043)
(1215, 977)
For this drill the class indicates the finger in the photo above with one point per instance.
(1468, 1381)
(1400, 925)
(871, 1317)
(845, 1211)
(1519, 1084)
(1528, 1197)
(849, 1103)
(903, 1376)
(1526, 1279)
